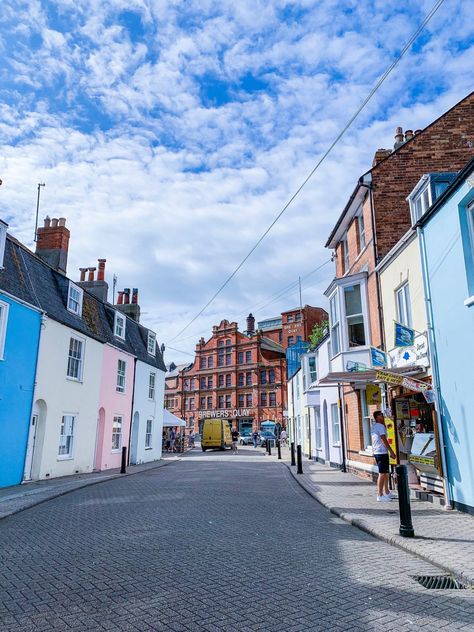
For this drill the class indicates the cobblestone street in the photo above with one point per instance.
(213, 542)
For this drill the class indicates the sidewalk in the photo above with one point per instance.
(20, 497)
(444, 538)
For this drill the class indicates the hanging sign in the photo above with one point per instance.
(379, 357)
(415, 385)
(389, 378)
(404, 336)
(373, 394)
(391, 438)
(410, 356)
(429, 395)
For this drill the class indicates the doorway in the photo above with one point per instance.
(30, 449)
(326, 431)
(134, 439)
(99, 440)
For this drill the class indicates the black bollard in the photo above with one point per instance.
(406, 525)
(299, 458)
(293, 462)
(269, 447)
(279, 449)
(123, 469)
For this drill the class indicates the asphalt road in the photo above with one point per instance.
(214, 542)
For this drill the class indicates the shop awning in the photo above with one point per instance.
(171, 421)
(366, 377)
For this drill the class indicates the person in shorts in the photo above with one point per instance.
(235, 440)
(381, 450)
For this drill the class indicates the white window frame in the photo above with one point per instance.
(313, 375)
(345, 254)
(80, 360)
(121, 376)
(120, 319)
(71, 419)
(361, 226)
(4, 308)
(3, 241)
(149, 433)
(74, 305)
(336, 425)
(335, 324)
(118, 419)
(152, 386)
(346, 316)
(151, 343)
(338, 297)
(318, 429)
(403, 305)
(420, 202)
(366, 422)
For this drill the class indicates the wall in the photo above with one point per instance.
(454, 338)
(17, 379)
(56, 395)
(114, 403)
(147, 409)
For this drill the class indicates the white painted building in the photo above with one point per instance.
(299, 430)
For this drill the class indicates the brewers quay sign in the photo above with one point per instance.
(224, 414)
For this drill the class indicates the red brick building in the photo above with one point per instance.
(236, 376)
(376, 216)
(293, 325)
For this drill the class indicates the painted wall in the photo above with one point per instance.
(454, 337)
(113, 403)
(57, 395)
(143, 409)
(17, 379)
(404, 267)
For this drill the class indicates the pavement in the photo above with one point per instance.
(444, 538)
(21, 497)
(212, 543)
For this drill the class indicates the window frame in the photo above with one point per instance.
(4, 309)
(118, 316)
(152, 339)
(272, 401)
(361, 238)
(403, 306)
(70, 454)
(80, 360)
(335, 324)
(151, 387)
(345, 255)
(366, 421)
(3, 242)
(335, 423)
(72, 287)
(116, 419)
(120, 388)
(149, 434)
(355, 315)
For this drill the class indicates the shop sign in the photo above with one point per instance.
(379, 357)
(429, 395)
(417, 354)
(415, 385)
(389, 378)
(404, 336)
(391, 438)
(373, 394)
(225, 414)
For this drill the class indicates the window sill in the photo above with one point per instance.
(74, 379)
(366, 452)
(65, 458)
(469, 301)
(150, 448)
(117, 451)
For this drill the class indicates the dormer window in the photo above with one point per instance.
(151, 344)
(74, 299)
(430, 187)
(3, 238)
(119, 325)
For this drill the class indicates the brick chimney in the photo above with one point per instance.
(380, 155)
(53, 243)
(96, 286)
(250, 325)
(399, 139)
(131, 309)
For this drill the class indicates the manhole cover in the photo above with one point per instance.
(439, 582)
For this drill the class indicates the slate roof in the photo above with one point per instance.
(27, 277)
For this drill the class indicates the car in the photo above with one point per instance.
(246, 439)
(267, 435)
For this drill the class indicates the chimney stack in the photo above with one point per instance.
(91, 275)
(131, 309)
(83, 273)
(53, 243)
(98, 287)
(101, 272)
(250, 325)
(399, 140)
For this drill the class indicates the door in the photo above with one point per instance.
(134, 439)
(326, 431)
(30, 448)
(99, 441)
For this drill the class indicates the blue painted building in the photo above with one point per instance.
(446, 232)
(20, 326)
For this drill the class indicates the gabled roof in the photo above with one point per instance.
(28, 278)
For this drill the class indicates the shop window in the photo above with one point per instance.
(403, 305)
(354, 316)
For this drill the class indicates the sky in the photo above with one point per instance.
(170, 133)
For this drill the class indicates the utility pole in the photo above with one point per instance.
(40, 184)
(114, 285)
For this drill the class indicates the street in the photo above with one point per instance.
(212, 542)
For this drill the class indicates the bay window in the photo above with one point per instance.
(354, 316)
(335, 329)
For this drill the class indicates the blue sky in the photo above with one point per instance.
(169, 133)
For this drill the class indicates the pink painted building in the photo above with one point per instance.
(115, 405)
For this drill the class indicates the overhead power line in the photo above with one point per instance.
(318, 164)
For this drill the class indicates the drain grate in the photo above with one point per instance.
(439, 582)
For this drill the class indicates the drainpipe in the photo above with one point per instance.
(342, 417)
(434, 363)
(131, 414)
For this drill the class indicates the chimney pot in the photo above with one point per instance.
(126, 293)
(120, 298)
(408, 134)
(54, 223)
(47, 221)
(417, 131)
(91, 275)
(250, 324)
(62, 221)
(135, 295)
(101, 272)
(83, 273)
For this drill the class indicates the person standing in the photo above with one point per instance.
(235, 439)
(191, 438)
(283, 437)
(255, 438)
(381, 450)
(172, 440)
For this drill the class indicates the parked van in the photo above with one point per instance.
(215, 434)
